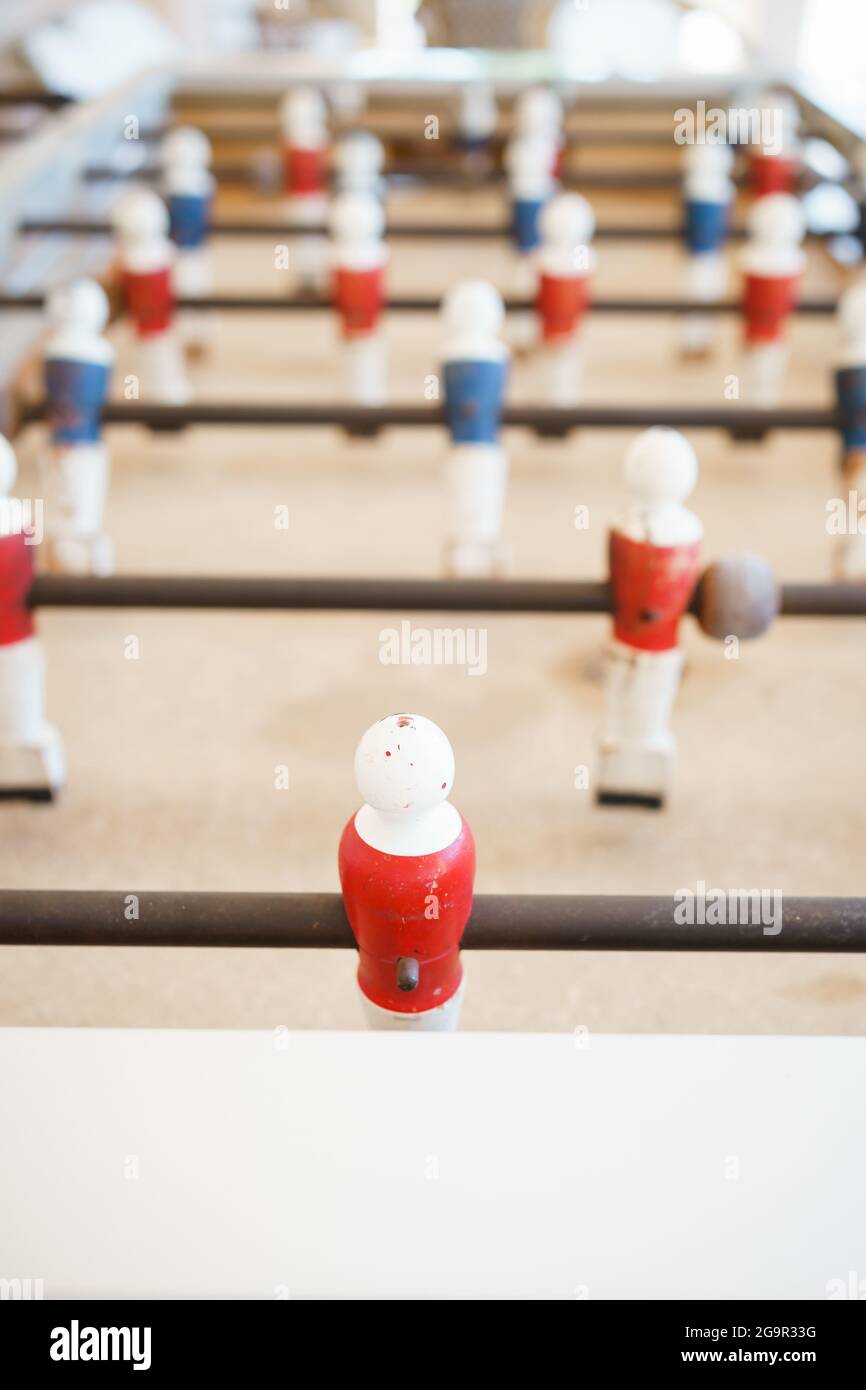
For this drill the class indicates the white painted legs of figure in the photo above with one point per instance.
(562, 364)
(365, 368)
(637, 747)
(522, 326)
(763, 374)
(74, 485)
(31, 754)
(193, 279)
(705, 281)
(162, 369)
(477, 475)
(442, 1020)
(308, 253)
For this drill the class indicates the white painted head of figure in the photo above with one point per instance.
(538, 110)
(567, 221)
(139, 215)
(404, 763)
(81, 304)
(473, 308)
(661, 467)
(777, 220)
(186, 147)
(357, 217)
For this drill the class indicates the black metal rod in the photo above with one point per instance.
(638, 179)
(363, 595)
(266, 134)
(422, 304)
(545, 420)
(384, 595)
(36, 96)
(427, 231)
(498, 923)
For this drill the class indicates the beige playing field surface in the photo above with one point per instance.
(172, 756)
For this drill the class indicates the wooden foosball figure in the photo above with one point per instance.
(359, 257)
(538, 115)
(708, 196)
(188, 186)
(407, 871)
(359, 161)
(772, 264)
(528, 160)
(851, 402)
(304, 124)
(475, 377)
(74, 465)
(146, 257)
(566, 262)
(31, 754)
(477, 119)
(775, 158)
(654, 554)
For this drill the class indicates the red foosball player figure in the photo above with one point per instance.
(31, 754)
(775, 157)
(565, 263)
(359, 256)
(304, 124)
(772, 264)
(407, 869)
(146, 264)
(654, 561)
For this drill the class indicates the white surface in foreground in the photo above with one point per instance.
(498, 1165)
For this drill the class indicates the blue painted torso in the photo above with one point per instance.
(76, 393)
(470, 144)
(525, 213)
(707, 226)
(474, 397)
(189, 215)
(851, 399)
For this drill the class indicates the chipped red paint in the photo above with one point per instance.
(386, 896)
(560, 304)
(651, 587)
(358, 296)
(149, 300)
(767, 302)
(16, 576)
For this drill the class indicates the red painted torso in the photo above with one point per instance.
(358, 296)
(770, 173)
(651, 588)
(560, 304)
(149, 300)
(391, 901)
(304, 171)
(767, 302)
(16, 576)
